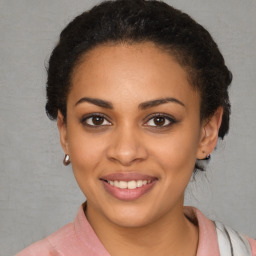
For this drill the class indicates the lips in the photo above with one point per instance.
(128, 186)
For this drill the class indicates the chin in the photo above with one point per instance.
(130, 221)
(131, 216)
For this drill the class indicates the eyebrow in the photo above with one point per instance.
(97, 102)
(157, 102)
(142, 106)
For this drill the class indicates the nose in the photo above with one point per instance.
(126, 147)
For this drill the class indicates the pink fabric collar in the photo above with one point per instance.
(86, 234)
(208, 242)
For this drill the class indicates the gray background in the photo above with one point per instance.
(38, 194)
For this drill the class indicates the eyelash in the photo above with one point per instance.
(167, 118)
(85, 119)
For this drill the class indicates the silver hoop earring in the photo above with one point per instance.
(66, 160)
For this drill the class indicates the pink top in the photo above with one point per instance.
(79, 239)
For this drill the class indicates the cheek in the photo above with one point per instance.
(178, 152)
(86, 152)
(86, 156)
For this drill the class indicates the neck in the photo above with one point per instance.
(172, 234)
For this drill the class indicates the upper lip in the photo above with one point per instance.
(127, 176)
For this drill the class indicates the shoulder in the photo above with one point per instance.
(230, 241)
(47, 246)
(74, 239)
(216, 238)
(40, 248)
(253, 245)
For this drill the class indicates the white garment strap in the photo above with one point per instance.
(231, 243)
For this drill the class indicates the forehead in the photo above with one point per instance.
(139, 71)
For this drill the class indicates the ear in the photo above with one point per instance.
(62, 132)
(209, 134)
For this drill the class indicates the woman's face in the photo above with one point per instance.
(133, 132)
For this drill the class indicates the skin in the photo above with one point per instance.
(130, 140)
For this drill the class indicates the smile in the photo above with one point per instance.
(128, 186)
(133, 184)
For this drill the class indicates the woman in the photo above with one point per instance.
(140, 94)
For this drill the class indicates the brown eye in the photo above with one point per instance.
(159, 121)
(96, 120)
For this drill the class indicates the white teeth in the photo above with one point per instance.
(116, 183)
(144, 182)
(139, 183)
(123, 184)
(132, 184)
(129, 184)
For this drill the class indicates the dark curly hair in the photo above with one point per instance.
(134, 21)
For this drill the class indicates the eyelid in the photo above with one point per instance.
(91, 115)
(169, 117)
(164, 115)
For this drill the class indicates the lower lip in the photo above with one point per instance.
(128, 194)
